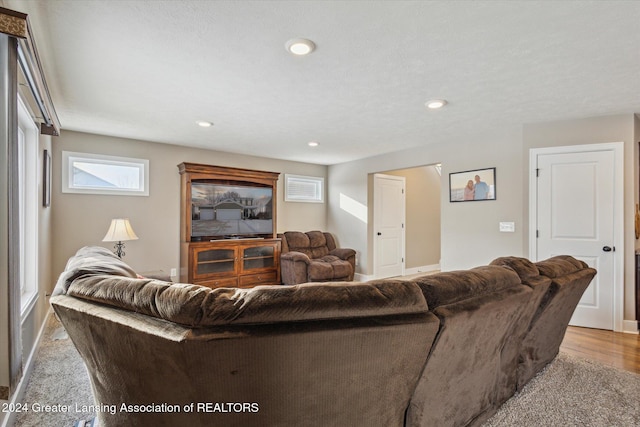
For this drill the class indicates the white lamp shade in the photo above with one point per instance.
(119, 231)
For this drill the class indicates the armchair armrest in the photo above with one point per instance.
(295, 256)
(343, 253)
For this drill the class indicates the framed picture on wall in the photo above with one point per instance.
(472, 186)
(46, 179)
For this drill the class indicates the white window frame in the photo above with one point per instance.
(317, 181)
(69, 157)
(28, 209)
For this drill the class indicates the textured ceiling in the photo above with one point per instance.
(150, 69)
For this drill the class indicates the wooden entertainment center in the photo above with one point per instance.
(228, 226)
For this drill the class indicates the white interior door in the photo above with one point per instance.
(576, 216)
(388, 225)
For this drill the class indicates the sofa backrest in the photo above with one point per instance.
(530, 276)
(558, 283)
(343, 354)
(454, 286)
(314, 244)
(560, 265)
(198, 306)
(472, 366)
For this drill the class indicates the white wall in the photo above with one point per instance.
(80, 219)
(469, 231)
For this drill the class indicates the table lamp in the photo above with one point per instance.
(120, 231)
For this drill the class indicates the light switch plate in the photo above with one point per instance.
(508, 227)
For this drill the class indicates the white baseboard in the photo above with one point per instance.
(421, 269)
(18, 396)
(630, 327)
(362, 277)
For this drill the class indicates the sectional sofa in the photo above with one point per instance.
(441, 350)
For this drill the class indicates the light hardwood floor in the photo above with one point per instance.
(610, 348)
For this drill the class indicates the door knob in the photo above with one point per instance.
(608, 249)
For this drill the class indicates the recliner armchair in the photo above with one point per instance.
(314, 257)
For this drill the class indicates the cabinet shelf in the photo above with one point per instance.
(217, 261)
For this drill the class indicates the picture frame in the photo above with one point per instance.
(472, 185)
(46, 179)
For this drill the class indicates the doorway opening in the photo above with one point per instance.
(422, 220)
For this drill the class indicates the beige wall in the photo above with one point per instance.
(422, 228)
(618, 128)
(469, 231)
(80, 220)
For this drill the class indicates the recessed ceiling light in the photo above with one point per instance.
(300, 46)
(434, 104)
(204, 124)
(313, 144)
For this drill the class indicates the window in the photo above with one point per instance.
(298, 188)
(28, 205)
(98, 174)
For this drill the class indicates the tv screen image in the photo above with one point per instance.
(219, 211)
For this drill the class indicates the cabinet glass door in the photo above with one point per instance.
(212, 261)
(258, 257)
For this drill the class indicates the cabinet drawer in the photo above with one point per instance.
(219, 283)
(250, 280)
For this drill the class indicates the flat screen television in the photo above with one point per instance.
(230, 211)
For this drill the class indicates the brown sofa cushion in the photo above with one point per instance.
(454, 286)
(329, 267)
(198, 306)
(560, 265)
(525, 268)
(91, 260)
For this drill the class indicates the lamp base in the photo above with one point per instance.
(119, 249)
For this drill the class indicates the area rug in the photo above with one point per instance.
(569, 392)
(572, 391)
(59, 381)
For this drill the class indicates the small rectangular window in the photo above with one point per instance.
(99, 174)
(298, 188)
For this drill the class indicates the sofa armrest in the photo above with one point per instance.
(343, 253)
(295, 256)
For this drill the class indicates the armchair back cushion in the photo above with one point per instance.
(314, 244)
